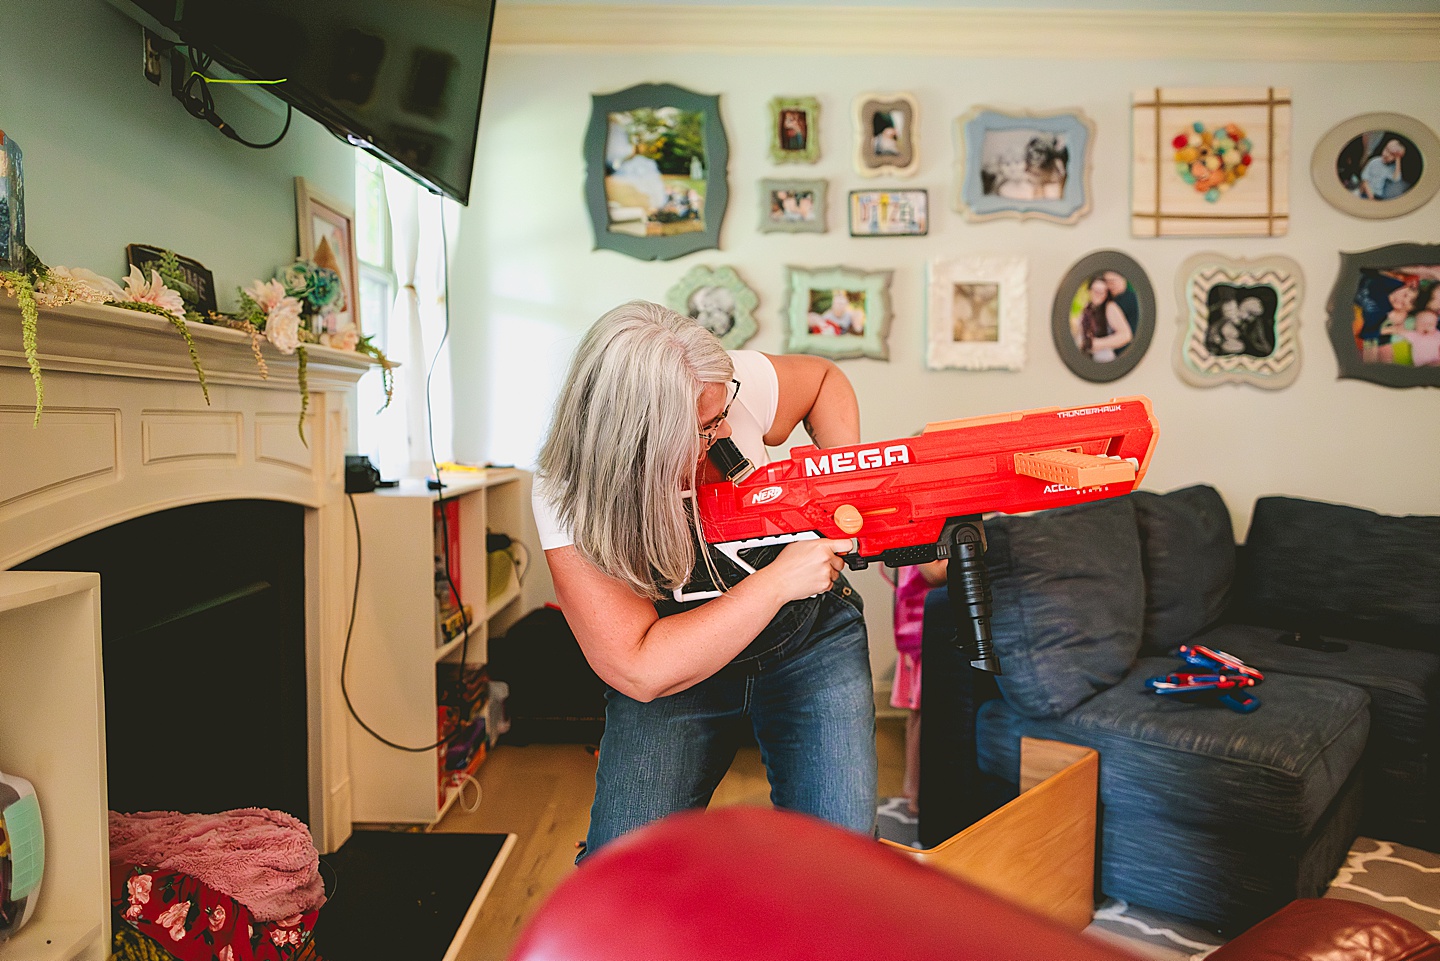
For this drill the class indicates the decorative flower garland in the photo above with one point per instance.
(299, 306)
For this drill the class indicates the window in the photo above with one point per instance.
(377, 296)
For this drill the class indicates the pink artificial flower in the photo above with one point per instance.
(282, 937)
(282, 325)
(174, 919)
(139, 888)
(226, 954)
(217, 917)
(153, 292)
(346, 337)
(266, 293)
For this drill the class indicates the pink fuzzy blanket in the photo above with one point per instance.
(264, 859)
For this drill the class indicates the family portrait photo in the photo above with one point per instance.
(792, 206)
(1104, 315)
(655, 171)
(1024, 164)
(1241, 320)
(1379, 165)
(1397, 313)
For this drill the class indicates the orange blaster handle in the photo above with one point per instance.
(894, 498)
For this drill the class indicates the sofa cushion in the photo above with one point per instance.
(1069, 603)
(1187, 548)
(1343, 571)
(1274, 769)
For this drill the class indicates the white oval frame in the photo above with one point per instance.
(1322, 166)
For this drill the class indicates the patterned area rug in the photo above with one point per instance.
(1402, 880)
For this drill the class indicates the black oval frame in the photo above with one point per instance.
(1081, 364)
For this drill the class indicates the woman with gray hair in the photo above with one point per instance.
(782, 650)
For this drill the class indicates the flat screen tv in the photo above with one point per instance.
(401, 78)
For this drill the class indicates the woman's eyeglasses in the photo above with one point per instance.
(708, 433)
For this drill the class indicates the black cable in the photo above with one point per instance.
(200, 103)
(345, 658)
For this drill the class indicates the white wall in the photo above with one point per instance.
(529, 281)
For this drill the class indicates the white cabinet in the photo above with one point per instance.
(52, 733)
(394, 648)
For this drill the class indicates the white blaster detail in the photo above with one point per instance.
(767, 494)
(732, 549)
(843, 462)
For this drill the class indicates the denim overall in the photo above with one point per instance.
(803, 687)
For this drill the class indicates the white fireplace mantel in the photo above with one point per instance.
(126, 431)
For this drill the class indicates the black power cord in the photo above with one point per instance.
(200, 104)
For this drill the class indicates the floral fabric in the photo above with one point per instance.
(194, 922)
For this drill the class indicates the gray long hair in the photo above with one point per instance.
(624, 443)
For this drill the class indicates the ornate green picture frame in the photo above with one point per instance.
(794, 130)
(655, 163)
(837, 312)
(718, 300)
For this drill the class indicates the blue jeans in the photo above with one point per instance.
(810, 703)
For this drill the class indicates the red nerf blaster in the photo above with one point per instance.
(918, 499)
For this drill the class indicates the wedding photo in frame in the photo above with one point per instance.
(1239, 321)
(837, 312)
(889, 213)
(1023, 164)
(794, 130)
(792, 206)
(976, 316)
(1210, 162)
(1103, 317)
(718, 300)
(886, 136)
(1377, 166)
(1384, 312)
(327, 239)
(655, 162)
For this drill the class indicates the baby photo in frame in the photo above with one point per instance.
(837, 312)
(886, 141)
(1385, 315)
(718, 300)
(1023, 164)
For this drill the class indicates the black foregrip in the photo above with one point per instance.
(968, 581)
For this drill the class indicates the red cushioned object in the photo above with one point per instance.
(1330, 929)
(755, 884)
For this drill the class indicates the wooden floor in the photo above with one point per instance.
(541, 793)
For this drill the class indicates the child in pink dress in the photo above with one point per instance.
(911, 585)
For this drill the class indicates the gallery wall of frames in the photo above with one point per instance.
(1254, 246)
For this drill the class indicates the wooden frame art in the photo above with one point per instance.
(977, 312)
(793, 206)
(1384, 311)
(837, 312)
(1377, 165)
(1239, 321)
(655, 162)
(887, 139)
(794, 130)
(1210, 162)
(718, 300)
(1023, 164)
(327, 239)
(1100, 292)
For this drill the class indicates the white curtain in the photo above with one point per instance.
(417, 334)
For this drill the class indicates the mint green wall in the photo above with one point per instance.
(111, 159)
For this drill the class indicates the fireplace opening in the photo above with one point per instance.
(203, 640)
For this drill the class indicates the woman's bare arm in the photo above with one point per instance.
(815, 392)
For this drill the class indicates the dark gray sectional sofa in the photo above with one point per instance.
(1214, 815)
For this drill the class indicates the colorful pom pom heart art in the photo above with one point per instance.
(1212, 161)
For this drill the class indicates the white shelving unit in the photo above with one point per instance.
(393, 649)
(52, 733)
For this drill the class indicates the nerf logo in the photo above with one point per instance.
(846, 461)
(766, 494)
